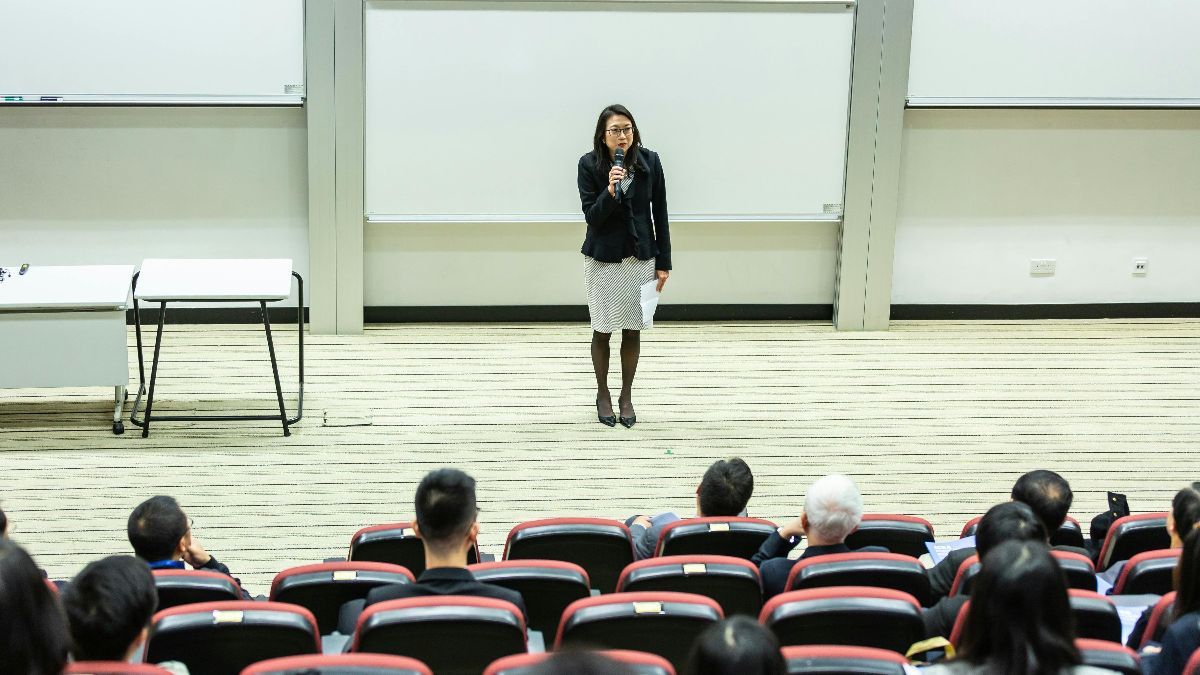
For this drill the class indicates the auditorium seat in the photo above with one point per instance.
(882, 570)
(1096, 616)
(730, 536)
(1160, 619)
(602, 547)
(113, 668)
(639, 663)
(1067, 534)
(965, 576)
(453, 635)
(733, 582)
(184, 587)
(905, 535)
(1109, 656)
(862, 616)
(1078, 568)
(1148, 572)
(323, 588)
(1132, 535)
(218, 638)
(340, 664)
(663, 623)
(395, 543)
(546, 586)
(842, 660)
(1192, 667)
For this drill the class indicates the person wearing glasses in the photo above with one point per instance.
(628, 244)
(161, 535)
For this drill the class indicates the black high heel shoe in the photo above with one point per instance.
(627, 422)
(606, 420)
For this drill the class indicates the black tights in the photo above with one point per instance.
(631, 349)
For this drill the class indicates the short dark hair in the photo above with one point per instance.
(445, 507)
(1187, 576)
(1010, 521)
(108, 604)
(155, 528)
(33, 630)
(1185, 509)
(738, 645)
(1048, 494)
(1020, 620)
(580, 662)
(726, 488)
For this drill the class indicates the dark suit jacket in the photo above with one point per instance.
(941, 576)
(437, 581)
(640, 216)
(774, 565)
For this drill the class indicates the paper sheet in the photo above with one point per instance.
(649, 302)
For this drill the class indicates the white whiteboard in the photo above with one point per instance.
(479, 111)
(1063, 52)
(152, 51)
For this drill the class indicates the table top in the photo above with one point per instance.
(66, 287)
(215, 279)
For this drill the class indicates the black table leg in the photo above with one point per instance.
(274, 368)
(162, 315)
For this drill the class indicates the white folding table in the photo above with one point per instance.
(64, 326)
(165, 280)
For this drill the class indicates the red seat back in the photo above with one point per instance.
(602, 547)
(733, 582)
(546, 586)
(862, 616)
(184, 587)
(1132, 535)
(340, 664)
(1096, 616)
(113, 668)
(1160, 618)
(325, 587)
(1109, 656)
(225, 637)
(884, 570)
(1148, 572)
(726, 535)
(842, 659)
(522, 664)
(905, 535)
(395, 543)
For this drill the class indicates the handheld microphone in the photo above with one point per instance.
(619, 162)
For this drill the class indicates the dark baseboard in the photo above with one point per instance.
(579, 313)
(1103, 310)
(186, 315)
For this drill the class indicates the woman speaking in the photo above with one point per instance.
(628, 244)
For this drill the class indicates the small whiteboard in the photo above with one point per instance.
(152, 51)
(1061, 53)
(479, 111)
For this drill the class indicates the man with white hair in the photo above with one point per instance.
(832, 510)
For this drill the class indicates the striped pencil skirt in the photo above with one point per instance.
(614, 293)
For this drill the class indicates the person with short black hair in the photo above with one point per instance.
(161, 535)
(109, 606)
(447, 523)
(724, 490)
(736, 646)
(33, 630)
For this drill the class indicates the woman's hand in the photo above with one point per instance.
(662, 278)
(615, 175)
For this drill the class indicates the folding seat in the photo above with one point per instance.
(1160, 619)
(861, 616)
(453, 635)
(1078, 568)
(1192, 667)
(1067, 534)
(881, 570)
(340, 664)
(602, 547)
(842, 660)
(323, 588)
(641, 663)
(905, 535)
(965, 576)
(733, 582)
(663, 623)
(1149, 572)
(730, 535)
(1109, 656)
(1132, 535)
(184, 587)
(1096, 616)
(546, 586)
(113, 668)
(218, 638)
(395, 543)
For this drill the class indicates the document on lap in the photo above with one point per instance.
(940, 549)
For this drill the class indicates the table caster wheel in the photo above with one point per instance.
(118, 428)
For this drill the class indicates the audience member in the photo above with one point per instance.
(832, 510)
(736, 646)
(33, 630)
(446, 523)
(1181, 521)
(109, 605)
(724, 490)
(1019, 621)
(1183, 637)
(1010, 521)
(161, 535)
(580, 662)
(1046, 492)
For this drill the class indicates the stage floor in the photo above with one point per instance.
(931, 418)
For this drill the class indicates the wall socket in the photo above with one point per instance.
(1141, 267)
(1042, 266)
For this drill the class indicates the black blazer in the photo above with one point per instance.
(641, 215)
(437, 581)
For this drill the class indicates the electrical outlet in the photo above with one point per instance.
(1042, 266)
(1141, 267)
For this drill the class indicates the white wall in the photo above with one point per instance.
(984, 191)
(540, 264)
(116, 185)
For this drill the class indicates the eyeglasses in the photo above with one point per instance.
(624, 131)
